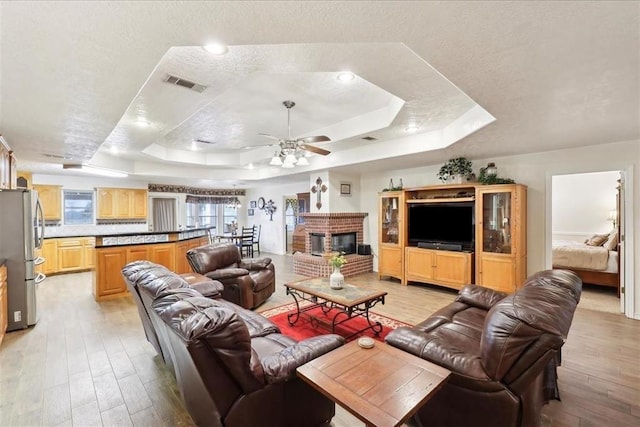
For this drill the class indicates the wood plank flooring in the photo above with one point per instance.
(89, 364)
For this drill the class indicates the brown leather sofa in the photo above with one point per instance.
(247, 282)
(502, 350)
(140, 273)
(233, 366)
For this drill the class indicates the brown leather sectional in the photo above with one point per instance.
(503, 351)
(233, 366)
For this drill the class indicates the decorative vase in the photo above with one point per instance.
(336, 279)
(455, 179)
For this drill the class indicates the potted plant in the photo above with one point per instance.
(455, 170)
(336, 279)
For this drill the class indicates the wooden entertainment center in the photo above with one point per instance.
(496, 256)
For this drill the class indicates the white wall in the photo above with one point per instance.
(272, 237)
(534, 170)
(581, 204)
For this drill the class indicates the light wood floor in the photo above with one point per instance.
(88, 363)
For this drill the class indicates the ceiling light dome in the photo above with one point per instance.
(290, 159)
(346, 76)
(216, 48)
(302, 161)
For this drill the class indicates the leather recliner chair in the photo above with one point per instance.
(247, 282)
(502, 350)
(140, 273)
(232, 365)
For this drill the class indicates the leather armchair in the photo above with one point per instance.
(232, 365)
(502, 350)
(247, 282)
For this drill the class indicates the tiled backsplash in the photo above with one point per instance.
(93, 230)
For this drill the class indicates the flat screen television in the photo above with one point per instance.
(442, 223)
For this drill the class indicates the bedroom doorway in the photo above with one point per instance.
(587, 213)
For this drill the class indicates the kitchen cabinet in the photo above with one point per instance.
(446, 268)
(5, 164)
(107, 280)
(51, 200)
(70, 255)
(67, 255)
(391, 235)
(501, 230)
(121, 203)
(24, 180)
(4, 315)
(163, 254)
(49, 252)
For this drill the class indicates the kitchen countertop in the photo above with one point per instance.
(132, 233)
(150, 237)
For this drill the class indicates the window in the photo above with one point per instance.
(78, 207)
(229, 216)
(202, 215)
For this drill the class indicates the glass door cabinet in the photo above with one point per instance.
(391, 234)
(501, 236)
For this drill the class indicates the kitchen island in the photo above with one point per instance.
(168, 248)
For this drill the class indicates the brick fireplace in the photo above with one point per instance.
(328, 225)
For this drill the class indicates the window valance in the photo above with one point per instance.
(215, 200)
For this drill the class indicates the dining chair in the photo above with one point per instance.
(256, 238)
(245, 242)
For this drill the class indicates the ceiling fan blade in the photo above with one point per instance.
(269, 136)
(318, 138)
(316, 150)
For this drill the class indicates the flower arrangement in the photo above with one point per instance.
(337, 260)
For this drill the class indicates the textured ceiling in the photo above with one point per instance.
(74, 75)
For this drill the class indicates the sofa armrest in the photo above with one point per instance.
(255, 263)
(441, 351)
(208, 288)
(227, 273)
(282, 366)
(479, 296)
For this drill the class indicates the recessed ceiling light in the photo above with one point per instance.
(216, 48)
(140, 121)
(411, 128)
(346, 76)
(114, 149)
(194, 145)
(250, 166)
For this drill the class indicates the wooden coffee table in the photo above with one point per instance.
(350, 301)
(382, 386)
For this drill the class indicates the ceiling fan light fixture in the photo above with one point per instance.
(286, 165)
(276, 161)
(216, 48)
(290, 159)
(346, 76)
(302, 161)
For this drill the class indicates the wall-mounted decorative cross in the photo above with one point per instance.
(318, 189)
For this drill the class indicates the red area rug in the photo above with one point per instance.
(305, 328)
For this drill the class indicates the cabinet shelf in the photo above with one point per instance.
(443, 200)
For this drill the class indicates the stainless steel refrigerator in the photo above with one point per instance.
(21, 233)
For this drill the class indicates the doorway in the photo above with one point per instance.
(587, 211)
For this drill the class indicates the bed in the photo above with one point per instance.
(594, 264)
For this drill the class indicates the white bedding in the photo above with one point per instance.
(571, 254)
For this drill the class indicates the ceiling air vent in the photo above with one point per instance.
(184, 83)
(369, 138)
(204, 141)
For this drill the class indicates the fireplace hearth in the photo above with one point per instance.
(340, 242)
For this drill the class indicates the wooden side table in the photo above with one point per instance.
(382, 386)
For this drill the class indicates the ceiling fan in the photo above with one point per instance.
(292, 146)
